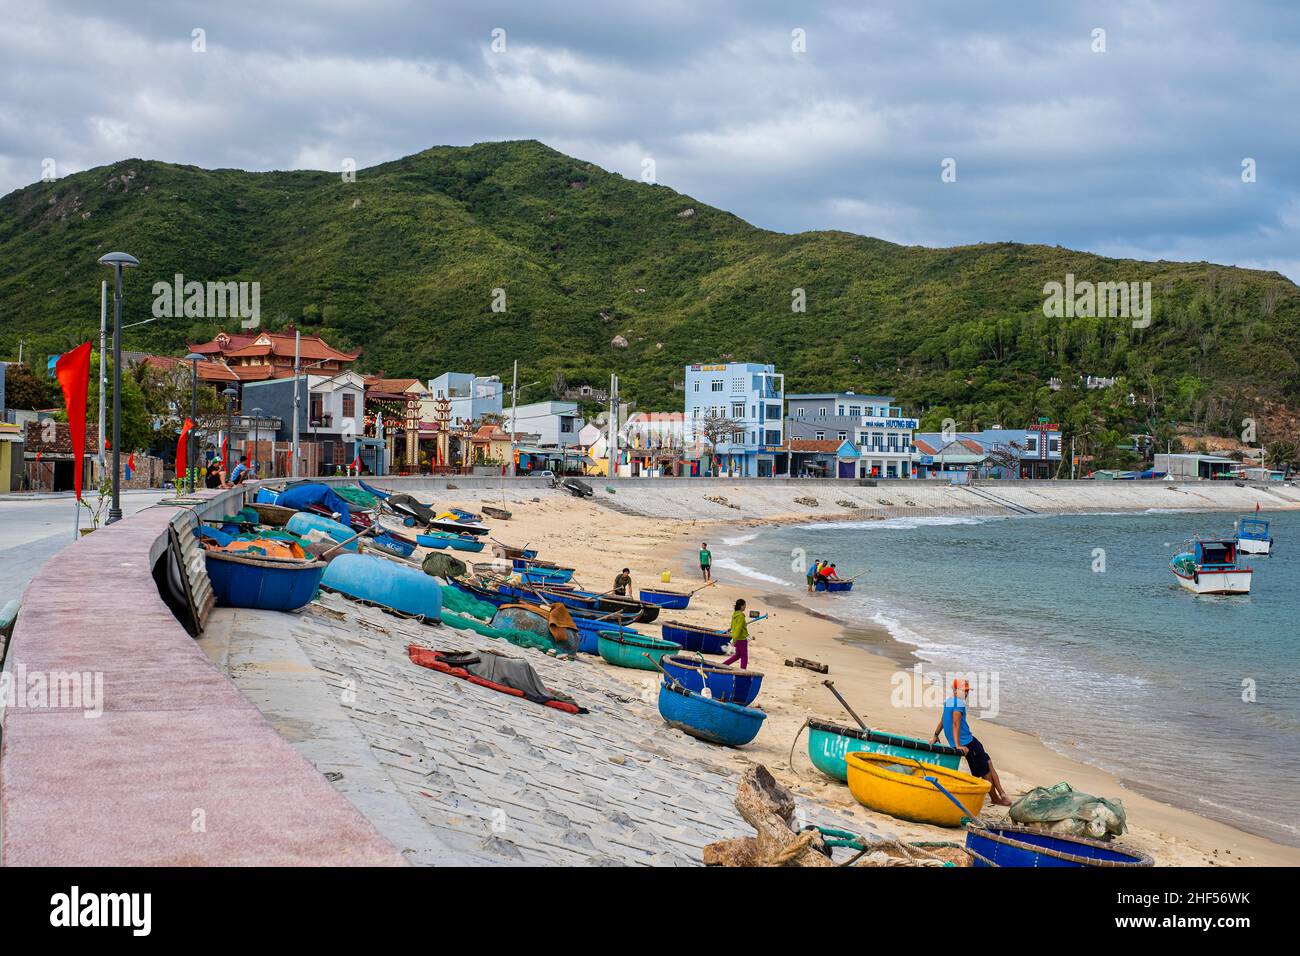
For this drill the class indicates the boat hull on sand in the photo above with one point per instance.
(268, 584)
(714, 721)
(629, 650)
(898, 786)
(1015, 846)
(725, 683)
(388, 584)
(829, 744)
(692, 637)
(670, 600)
(442, 542)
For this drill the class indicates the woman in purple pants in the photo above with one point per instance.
(739, 636)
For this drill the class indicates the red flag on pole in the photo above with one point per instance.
(356, 461)
(130, 465)
(73, 373)
(225, 452)
(182, 456)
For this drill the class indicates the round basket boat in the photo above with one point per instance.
(898, 786)
(829, 744)
(268, 584)
(724, 683)
(275, 515)
(716, 721)
(629, 650)
(1010, 845)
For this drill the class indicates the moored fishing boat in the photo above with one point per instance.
(630, 650)
(829, 744)
(724, 683)
(833, 586)
(708, 719)
(442, 540)
(244, 579)
(1253, 535)
(385, 583)
(898, 786)
(304, 523)
(1210, 566)
(670, 600)
(1010, 845)
(390, 542)
(692, 637)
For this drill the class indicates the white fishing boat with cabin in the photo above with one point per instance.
(1253, 535)
(1210, 566)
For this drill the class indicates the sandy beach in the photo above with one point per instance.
(862, 660)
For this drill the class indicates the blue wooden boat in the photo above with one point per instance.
(1253, 536)
(305, 522)
(1211, 566)
(385, 583)
(392, 543)
(672, 600)
(265, 496)
(716, 721)
(1012, 845)
(381, 495)
(269, 584)
(833, 586)
(588, 601)
(545, 576)
(829, 744)
(629, 650)
(692, 637)
(724, 683)
(443, 541)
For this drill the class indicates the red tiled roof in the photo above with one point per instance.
(208, 371)
(971, 445)
(924, 447)
(826, 446)
(310, 347)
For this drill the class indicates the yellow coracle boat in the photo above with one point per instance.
(897, 786)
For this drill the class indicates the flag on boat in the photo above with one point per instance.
(182, 455)
(72, 369)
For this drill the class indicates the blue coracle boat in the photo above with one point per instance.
(1027, 847)
(671, 600)
(386, 583)
(833, 586)
(442, 541)
(692, 637)
(269, 584)
(717, 721)
(304, 522)
(724, 683)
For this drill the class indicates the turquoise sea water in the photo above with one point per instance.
(1121, 668)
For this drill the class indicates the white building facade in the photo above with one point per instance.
(471, 396)
(750, 394)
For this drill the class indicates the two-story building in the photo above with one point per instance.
(331, 413)
(873, 423)
(471, 396)
(1033, 452)
(556, 424)
(750, 398)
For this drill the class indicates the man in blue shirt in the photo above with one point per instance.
(953, 725)
(240, 471)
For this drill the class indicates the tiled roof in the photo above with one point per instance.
(807, 445)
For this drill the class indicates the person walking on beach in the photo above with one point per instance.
(739, 636)
(623, 582)
(954, 726)
(706, 561)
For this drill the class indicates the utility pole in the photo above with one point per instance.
(514, 421)
(103, 367)
(612, 438)
(297, 354)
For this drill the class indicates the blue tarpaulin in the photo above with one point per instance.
(303, 496)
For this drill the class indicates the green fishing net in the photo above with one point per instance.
(463, 603)
(242, 516)
(518, 638)
(356, 496)
(1062, 809)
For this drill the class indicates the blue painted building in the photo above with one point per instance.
(876, 425)
(752, 396)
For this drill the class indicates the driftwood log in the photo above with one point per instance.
(768, 807)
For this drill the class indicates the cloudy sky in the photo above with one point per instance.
(792, 115)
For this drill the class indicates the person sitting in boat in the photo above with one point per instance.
(739, 636)
(954, 726)
(623, 583)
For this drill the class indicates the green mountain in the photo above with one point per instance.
(404, 262)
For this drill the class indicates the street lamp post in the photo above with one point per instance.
(315, 447)
(257, 434)
(230, 395)
(192, 451)
(117, 260)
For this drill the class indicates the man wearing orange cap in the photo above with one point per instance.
(953, 725)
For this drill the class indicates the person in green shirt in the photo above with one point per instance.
(739, 636)
(706, 561)
(623, 582)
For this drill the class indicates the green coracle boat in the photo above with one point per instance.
(828, 744)
(629, 650)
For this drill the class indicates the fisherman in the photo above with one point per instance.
(241, 471)
(829, 573)
(706, 561)
(739, 636)
(623, 583)
(954, 726)
(812, 574)
(213, 477)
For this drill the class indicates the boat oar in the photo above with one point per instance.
(965, 814)
(667, 676)
(830, 685)
(344, 544)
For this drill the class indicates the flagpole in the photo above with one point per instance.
(103, 367)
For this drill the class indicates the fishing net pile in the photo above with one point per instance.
(469, 613)
(1062, 809)
(362, 500)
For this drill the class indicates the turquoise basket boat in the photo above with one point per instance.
(716, 721)
(829, 744)
(305, 522)
(443, 541)
(629, 650)
(388, 584)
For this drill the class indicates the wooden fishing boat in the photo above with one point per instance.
(692, 637)
(829, 744)
(388, 584)
(715, 721)
(833, 586)
(1253, 536)
(724, 683)
(515, 553)
(268, 584)
(381, 495)
(274, 515)
(546, 576)
(587, 600)
(671, 600)
(1210, 566)
(1010, 845)
(499, 513)
(898, 786)
(304, 522)
(442, 540)
(390, 542)
(629, 650)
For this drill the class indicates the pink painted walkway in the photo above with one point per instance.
(180, 769)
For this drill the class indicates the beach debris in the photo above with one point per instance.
(909, 502)
(451, 487)
(719, 500)
(769, 808)
(817, 666)
(886, 502)
(845, 503)
(806, 500)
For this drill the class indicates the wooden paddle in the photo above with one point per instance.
(344, 544)
(830, 685)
